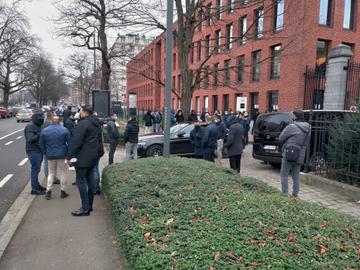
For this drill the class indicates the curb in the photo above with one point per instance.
(14, 217)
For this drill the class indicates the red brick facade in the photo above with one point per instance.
(298, 38)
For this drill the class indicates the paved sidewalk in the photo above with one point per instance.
(51, 238)
(268, 174)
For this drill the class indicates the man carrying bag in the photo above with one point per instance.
(294, 139)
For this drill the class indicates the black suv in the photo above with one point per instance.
(268, 127)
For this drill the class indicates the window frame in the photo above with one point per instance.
(275, 56)
(240, 67)
(277, 29)
(255, 64)
(259, 23)
(329, 13)
(227, 69)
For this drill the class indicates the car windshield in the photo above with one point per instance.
(25, 111)
(273, 122)
(174, 129)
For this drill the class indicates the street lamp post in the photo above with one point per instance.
(168, 65)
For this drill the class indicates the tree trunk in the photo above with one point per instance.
(6, 99)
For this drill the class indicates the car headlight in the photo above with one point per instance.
(141, 144)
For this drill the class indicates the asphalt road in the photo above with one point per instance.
(14, 166)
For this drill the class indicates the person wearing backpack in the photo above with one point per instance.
(295, 140)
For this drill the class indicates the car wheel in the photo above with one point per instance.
(154, 151)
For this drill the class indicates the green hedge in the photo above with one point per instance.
(190, 214)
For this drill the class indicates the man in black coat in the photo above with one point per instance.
(131, 138)
(234, 143)
(66, 113)
(33, 150)
(113, 135)
(195, 139)
(85, 150)
(69, 123)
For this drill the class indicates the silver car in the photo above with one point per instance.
(24, 115)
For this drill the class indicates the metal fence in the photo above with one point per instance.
(334, 150)
(314, 88)
(352, 93)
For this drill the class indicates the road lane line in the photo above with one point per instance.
(22, 163)
(5, 180)
(10, 142)
(18, 138)
(12, 133)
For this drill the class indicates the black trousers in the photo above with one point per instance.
(113, 145)
(235, 162)
(209, 154)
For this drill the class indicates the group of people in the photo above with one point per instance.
(71, 144)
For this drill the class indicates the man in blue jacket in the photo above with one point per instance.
(195, 139)
(54, 142)
(209, 141)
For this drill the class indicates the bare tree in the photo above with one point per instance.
(80, 65)
(87, 24)
(16, 47)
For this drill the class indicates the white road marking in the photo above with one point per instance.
(22, 163)
(12, 133)
(5, 180)
(10, 142)
(18, 138)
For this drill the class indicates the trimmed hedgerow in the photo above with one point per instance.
(191, 214)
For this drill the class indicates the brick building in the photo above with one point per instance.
(259, 51)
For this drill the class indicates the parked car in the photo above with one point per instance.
(13, 111)
(24, 115)
(268, 126)
(4, 113)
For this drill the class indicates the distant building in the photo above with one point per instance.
(124, 49)
(258, 55)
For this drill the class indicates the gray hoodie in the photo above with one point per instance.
(295, 134)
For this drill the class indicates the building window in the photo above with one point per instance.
(197, 104)
(206, 103)
(229, 35)
(192, 54)
(208, 15)
(273, 104)
(199, 50)
(325, 12)
(255, 63)
(207, 45)
(322, 49)
(218, 9)
(215, 102)
(229, 6)
(216, 74)
(275, 62)
(200, 19)
(174, 61)
(227, 72)
(173, 82)
(217, 41)
(259, 22)
(349, 12)
(243, 3)
(242, 29)
(206, 79)
(240, 68)
(278, 15)
(225, 103)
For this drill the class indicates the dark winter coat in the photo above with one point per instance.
(195, 139)
(294, 135)
(32, 133)
(112, 131)
(157, 118)
(192, 117)
(234, 143)
(210, 136)
(179, 118)
(148, 119)
(70, 125)
(132, 132)
(86, 144)
(222, 130)
(54, 141)
(245, 124)
(66, 115)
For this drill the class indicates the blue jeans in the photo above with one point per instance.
(35, 161)
(96, 176)
(286, 167)
(85, 182)
(46, 167)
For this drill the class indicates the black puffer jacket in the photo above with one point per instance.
(86, 144)
(132, 132)
(32, 133)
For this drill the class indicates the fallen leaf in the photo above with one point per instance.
(163, 245)
(260, 243)
(348, 230)
(212, 268)
(225, 207)
(267, 232)
(114, 242)
(169, 221)
(147, 235)
(277, 242)
(254, 265)
(231, 256)
(217, 256)
(322, 226)
(291, 238)
(153, 242)
(298, 253)
(132, 210)
(323, 249)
